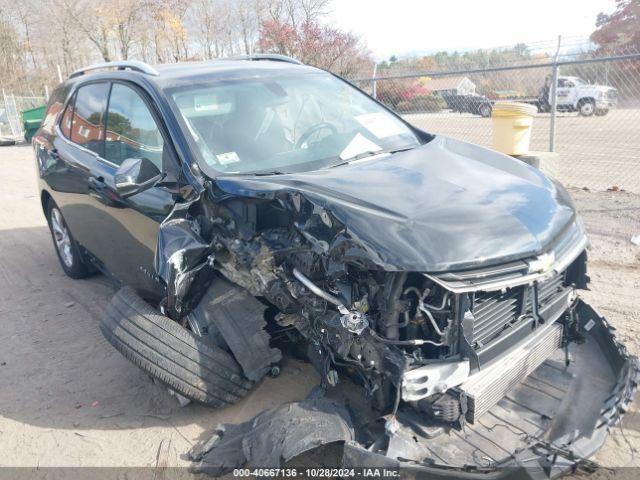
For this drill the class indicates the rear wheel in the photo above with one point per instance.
(586, 108)
(601, 112)
(71, 259)
(484, 110)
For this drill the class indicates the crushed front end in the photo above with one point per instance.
(476, 370)
(452, 333)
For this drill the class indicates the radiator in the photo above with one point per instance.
(488, 386)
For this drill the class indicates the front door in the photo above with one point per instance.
(126, 239)
(566, 92)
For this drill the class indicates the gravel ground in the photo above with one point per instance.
(69, 399)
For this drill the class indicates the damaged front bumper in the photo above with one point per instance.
(550, 422)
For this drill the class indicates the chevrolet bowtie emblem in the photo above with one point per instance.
(542, 263)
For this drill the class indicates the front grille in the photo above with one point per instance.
(495, 312)
(548, 290)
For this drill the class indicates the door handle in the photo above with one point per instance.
(97, 182)
(99, 190)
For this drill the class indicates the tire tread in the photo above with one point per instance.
(172, 354)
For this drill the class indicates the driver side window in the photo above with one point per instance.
(132, 132)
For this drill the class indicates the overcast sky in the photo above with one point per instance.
(403, 26)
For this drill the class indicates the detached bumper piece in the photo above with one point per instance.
(550, 421)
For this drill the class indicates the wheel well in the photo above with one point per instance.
(45, 198)
(585, 100)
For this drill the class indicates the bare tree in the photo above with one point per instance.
(11, 53)
(125, 22)
(203, 17)
(23, 13)
(39, 36)
(297, 12)
(94, 20)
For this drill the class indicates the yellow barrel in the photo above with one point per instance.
(512, 127)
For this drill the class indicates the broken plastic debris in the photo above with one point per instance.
(281, 433)
(635, 240)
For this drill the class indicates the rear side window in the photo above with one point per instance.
(54, 109)
(88, 120)
(67, 119)
(132, 132)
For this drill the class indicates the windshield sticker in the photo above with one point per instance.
(359, 144)
(380, 124)
(205, 102)
(228, 158)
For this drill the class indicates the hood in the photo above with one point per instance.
(446, 205)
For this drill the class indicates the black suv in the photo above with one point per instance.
(255, 204)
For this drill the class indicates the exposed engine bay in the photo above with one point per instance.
(422, 339)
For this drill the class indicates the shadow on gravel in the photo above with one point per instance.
(59, 372)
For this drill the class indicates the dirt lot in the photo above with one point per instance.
(597, 152)
(69, 399)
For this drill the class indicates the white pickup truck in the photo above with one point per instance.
(576, 95)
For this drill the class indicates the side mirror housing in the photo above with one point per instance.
(136, 175)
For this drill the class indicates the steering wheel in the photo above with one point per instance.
(313, 129)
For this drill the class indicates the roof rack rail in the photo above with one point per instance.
(134, 65)
(266, 56)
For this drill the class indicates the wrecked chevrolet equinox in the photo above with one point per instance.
(256, 205)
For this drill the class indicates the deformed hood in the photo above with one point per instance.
(446, 205)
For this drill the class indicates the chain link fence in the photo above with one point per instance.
(11, 108)
(594, 129)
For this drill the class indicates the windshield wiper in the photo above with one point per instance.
(370, 153)
(264, 174)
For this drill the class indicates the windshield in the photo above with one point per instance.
(286, 124)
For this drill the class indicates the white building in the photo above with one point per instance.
(451, 85)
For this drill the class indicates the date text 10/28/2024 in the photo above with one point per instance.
(317, 472)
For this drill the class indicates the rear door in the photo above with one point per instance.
(76, 149)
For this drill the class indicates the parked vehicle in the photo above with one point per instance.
(574, 95)
(476, 104)
(435, 278)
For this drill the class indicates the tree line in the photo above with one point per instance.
(44, 40)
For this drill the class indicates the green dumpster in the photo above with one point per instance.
(31, 120)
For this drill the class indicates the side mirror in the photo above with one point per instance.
(136, 175)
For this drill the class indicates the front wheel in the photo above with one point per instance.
(184, 362)
(71, 259)
(586, 108)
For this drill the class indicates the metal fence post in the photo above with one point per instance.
(554, 99)
(374, 92)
